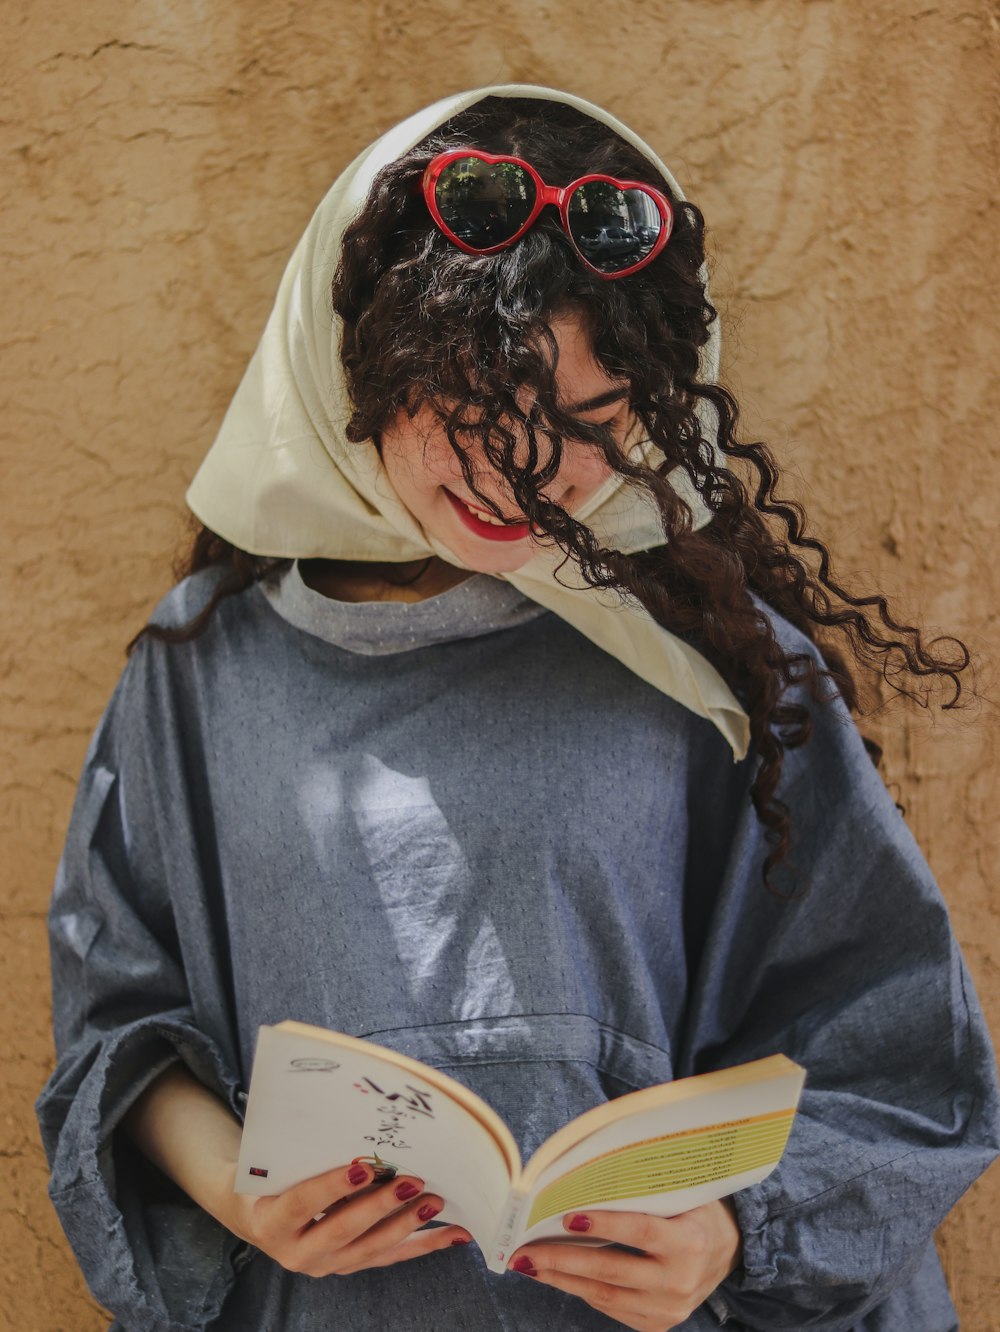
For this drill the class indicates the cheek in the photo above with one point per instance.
(411, 465)
(584, 469)
(417, 455)
(441, 466)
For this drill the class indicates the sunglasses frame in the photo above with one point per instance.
(544, 194)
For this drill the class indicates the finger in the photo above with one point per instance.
(650, 1234)
(611, 1266)
(605, 1296)
(357, 1248)
(350, 1217)
(690, 1242)
(295, 1207)
(421, 1242)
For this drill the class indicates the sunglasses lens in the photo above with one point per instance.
(484, 203)
(614, 229)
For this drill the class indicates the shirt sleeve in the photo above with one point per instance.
(849, 966)
(122, 1013)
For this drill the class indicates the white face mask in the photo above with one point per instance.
(282, 480)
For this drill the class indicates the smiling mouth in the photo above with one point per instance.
(485, 524)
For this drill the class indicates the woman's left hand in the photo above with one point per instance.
(682, 1260)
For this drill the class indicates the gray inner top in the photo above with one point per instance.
(481, 605)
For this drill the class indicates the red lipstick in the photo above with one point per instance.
(488, 531)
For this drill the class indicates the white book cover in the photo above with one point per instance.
(319, 1099)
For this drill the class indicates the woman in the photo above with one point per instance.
(435, 745)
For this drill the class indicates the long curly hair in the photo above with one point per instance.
(427, 326)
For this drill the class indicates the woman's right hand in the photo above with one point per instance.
(339, 1222)
(344, 1221)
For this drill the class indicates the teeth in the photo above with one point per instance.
(484, 516)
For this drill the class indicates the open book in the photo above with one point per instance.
(320, 1099)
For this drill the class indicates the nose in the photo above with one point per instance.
(582, 469)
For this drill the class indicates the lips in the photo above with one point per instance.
(482, 528)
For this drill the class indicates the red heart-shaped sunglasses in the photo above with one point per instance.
(484, 203)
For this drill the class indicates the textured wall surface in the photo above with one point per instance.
(159, 162)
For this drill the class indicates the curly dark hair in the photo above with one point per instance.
(427, 326)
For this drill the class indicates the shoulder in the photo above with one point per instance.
(187, 599)
(793, 641)
(173, 672)
(204, 615)
(812, 684)
(835, 752)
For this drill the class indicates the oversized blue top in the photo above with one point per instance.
(459, 829)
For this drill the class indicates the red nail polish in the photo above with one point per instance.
(357, 1174)
(456, 1242)
(578, 1222)
(427, 1211)
(525, 1265)
(406, 1190)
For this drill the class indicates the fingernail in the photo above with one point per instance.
(357, 1174)
(406, 1190)
(578, 1222)
(525, 1265)
(427, 1211)
(456, 1242)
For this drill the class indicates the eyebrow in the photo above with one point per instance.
(602, 400)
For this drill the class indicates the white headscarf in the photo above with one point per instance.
(282, 480)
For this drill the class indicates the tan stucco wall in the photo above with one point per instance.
(159, 161)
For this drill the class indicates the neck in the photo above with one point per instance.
(415, 580)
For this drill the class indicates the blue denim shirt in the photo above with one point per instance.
(460, 829)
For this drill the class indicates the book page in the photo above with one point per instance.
(667, 1158)
(317, 1101)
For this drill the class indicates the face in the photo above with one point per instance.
(427, 477)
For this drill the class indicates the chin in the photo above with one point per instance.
(502, 560)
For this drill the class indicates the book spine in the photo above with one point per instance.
(507, 1231)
